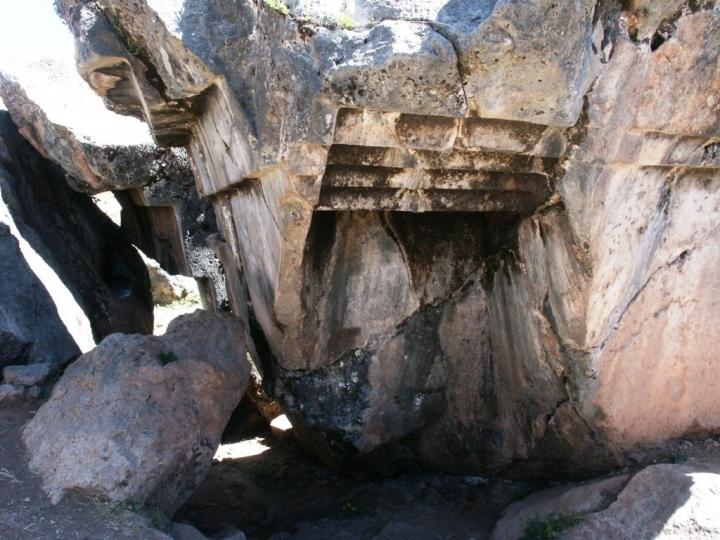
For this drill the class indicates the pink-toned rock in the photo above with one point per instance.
(139, 418)
(523, 276)
(661, 501)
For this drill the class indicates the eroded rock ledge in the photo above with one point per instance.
(488, 230)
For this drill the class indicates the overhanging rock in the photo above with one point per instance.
(480, 227)
(162, 213)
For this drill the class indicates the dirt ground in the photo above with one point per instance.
(279, 493)
(27, 514)
(282, 494)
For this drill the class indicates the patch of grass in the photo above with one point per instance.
(116, 512)
(550, 526)
(678, 456)
(279, 6)
(167, 357)
(346, 22)
(119, 513)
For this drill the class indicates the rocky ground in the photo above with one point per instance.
(280, 493)
(270, 488)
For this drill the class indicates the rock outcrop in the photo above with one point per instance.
(162, 213)
(139, 418)
(30, 375)
(481, 228)
(72, 276)
(661, 501)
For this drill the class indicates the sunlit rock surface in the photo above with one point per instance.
(151, 410)
(486, 229)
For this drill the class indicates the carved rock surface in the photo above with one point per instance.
(162, 213)
(139, 417)
(489, 263)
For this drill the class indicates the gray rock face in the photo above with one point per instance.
(483, 231)
(150, 411)
(28, 312)
(527, 61)
(77, 254)
(675, 501)
(182, 531)
(13, 350)
(162, 213)
(27, 375)
(378, 68)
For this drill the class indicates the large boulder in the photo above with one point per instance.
(80, 256)
(139, 418)
(32, 326)
(661, 501)
(480, 228)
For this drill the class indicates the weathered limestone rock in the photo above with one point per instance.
(661, 501)
(79, 260)
(140, 417)
(489, 263)
(373, 69)
(645, 16)
(528, 61)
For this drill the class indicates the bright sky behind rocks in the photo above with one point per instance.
(30, 30)
(37, 48)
